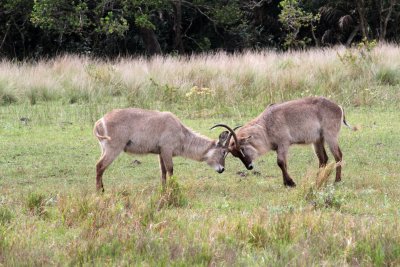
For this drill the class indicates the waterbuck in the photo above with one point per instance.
(310, 120)
(139, 131)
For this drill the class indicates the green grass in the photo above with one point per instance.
(50, 213)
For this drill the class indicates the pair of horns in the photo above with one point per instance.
(231, 133)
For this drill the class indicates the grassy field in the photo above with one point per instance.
(50, 213)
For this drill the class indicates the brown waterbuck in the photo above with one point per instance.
(139, 131)
(310, 120)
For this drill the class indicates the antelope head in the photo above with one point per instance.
(215, 156)
(240, 147)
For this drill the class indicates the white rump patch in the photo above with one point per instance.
(104, 126)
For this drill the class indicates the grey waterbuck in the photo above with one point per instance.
(141, 131)
(310, 120)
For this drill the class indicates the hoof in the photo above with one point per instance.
(100, 190)
(290, 183)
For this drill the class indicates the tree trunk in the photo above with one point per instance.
(178, 44)
(317, 43)
(150, 41)
(352, 35)
(361, 14)
(384, 20)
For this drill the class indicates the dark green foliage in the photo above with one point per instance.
(33, 29)
(293, 19)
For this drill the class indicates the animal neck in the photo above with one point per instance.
(260, 139)
(196, 146)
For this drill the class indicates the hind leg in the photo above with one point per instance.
(163, 171)
(321, 153)
(166, 157)
(337, 153)
(108, 156)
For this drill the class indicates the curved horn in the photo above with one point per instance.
(228, 140)
(232, 132)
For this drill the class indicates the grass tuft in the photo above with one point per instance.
(5, 215)
(319, 193)
(388, 76)
(172, 195)
(323, 175)
(7, 99)
(258, 236)
(35, 204)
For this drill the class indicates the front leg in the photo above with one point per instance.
(281, 160)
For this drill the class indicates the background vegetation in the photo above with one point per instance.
(50, 213)
(44, 28)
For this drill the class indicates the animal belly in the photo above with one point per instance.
(306, 138)
(133, 148)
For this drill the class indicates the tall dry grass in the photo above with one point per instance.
(251, 79)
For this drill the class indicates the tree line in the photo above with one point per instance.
(110, 28)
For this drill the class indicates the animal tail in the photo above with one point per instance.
(98, 124)
(345, 122)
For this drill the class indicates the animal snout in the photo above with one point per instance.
(220, 169)
(250, 166)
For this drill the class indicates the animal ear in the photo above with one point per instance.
(222, 138)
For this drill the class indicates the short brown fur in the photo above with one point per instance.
(311, 120)
(139, 131)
